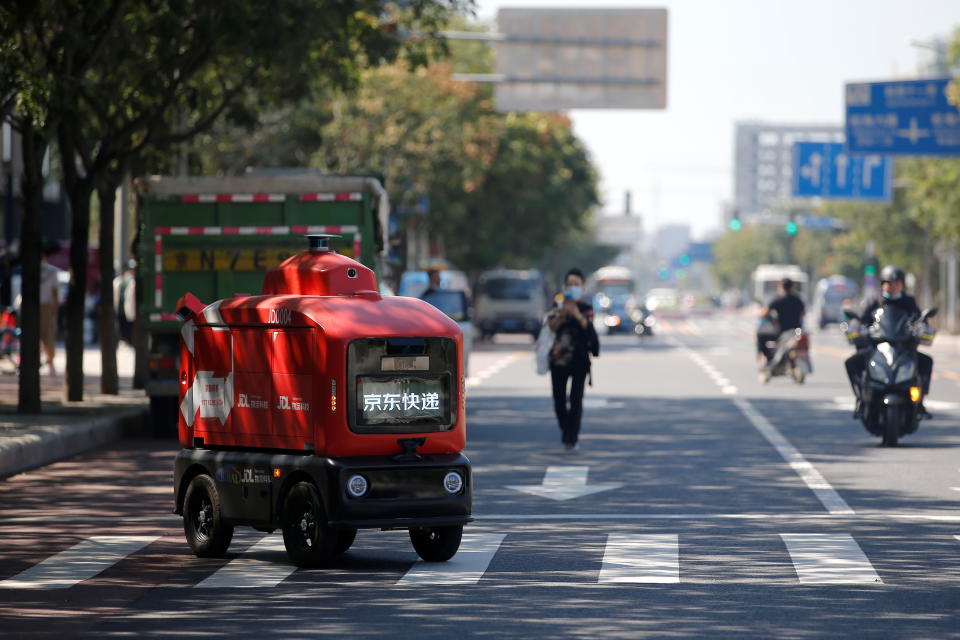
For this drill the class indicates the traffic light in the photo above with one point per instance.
(735, 224)
(792, 228)
(684, 260)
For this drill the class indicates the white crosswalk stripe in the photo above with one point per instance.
(467, 567)
(627, 559)
(265, 564)
(829, 559)
(651, 558)
(78, 563)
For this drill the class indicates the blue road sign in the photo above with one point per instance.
(700, 251)
(820, 223)
(826, 170)
(911, 117)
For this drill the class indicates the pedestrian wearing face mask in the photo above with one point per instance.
(576, 339)
(891, 294)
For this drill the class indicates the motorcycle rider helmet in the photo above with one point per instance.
(892, 273)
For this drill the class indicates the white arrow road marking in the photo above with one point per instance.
(254, 567)
(78, 563)
(467, 567)
(641, 559)
(564, 483)
(829, 559)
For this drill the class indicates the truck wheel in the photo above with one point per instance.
(345, 538)
(310, 542)
(208, 535)
(436, 544)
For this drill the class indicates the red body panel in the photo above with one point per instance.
(257, 371)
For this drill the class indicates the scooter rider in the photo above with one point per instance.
(789, 311)
(892, 294)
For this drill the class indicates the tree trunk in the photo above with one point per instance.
(34, 145)
(109, 382)
(79, 189)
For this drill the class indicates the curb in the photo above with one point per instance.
(41, 445)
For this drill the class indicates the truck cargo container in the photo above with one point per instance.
(217, 237)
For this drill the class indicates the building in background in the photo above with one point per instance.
(763, 165)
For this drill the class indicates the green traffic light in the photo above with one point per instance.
(792, 228)
(684, 260)
(735, 224)
(869, 270)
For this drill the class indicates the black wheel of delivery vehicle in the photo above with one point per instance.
(310, 542)
(345, 538)
(208, 535)
(436, 544)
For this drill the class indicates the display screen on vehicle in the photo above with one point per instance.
(383, 400)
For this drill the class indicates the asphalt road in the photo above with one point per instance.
(702, 503)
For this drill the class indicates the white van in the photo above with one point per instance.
(766, 278)
(510, 301)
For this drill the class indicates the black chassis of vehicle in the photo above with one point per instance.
(405, 491)
(878, 395)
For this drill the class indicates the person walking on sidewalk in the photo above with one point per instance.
(572, 323)
(49, 305)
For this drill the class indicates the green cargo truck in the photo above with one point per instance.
(216, 237)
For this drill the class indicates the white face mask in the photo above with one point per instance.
(573, 292)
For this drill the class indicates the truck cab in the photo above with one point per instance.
(320, 408)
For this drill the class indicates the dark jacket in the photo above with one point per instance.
(789, 312)
(904, 302)
(574, 343)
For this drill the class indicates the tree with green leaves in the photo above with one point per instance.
(114, 81)
(503, 189)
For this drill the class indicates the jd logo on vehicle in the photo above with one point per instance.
(296, 405)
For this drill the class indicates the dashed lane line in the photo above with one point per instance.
(808, 473)
(495, 368)
(830, 499)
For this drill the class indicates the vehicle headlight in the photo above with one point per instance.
(453, 483)
(906, 372)
(357, 486)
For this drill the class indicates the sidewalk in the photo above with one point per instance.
(65, 429)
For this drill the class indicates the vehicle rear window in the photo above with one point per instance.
(509, 288)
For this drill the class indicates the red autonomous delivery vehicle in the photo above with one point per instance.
(320, 408)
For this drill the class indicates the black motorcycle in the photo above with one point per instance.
(791, 357)
(890, 388)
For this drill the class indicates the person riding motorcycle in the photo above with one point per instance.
(788, 310)
(892, 294)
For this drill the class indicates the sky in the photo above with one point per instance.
(730, 60)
